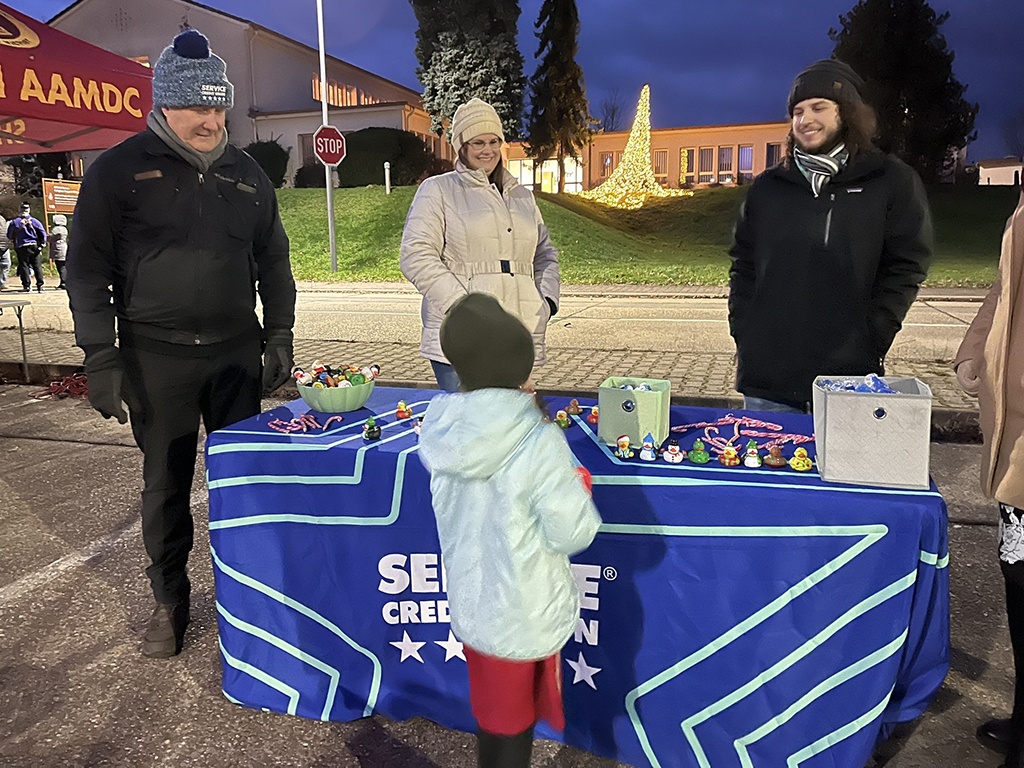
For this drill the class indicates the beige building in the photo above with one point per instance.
(276, 79)
(1006, 171)
(698, 156)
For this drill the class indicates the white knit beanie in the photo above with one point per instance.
(472, 119)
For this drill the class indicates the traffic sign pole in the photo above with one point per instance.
(327, 168)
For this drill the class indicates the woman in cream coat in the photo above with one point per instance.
(990, 364)
(476, 229)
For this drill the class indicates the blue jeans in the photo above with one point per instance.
(447, 378)
(761, 404)
(5, 265)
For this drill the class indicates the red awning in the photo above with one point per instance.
(59, 93)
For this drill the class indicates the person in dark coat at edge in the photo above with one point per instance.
(829, 249)
(174, 233)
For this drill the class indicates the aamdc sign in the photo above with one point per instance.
(329, 145)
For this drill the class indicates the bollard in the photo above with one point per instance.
(387, 178)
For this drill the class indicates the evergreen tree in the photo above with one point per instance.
(467, 48)
(559, 122)
(896, 46)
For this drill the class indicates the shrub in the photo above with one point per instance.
(272, 158)
(310, 175)
(367, 151)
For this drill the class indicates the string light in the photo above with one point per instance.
(633, 182)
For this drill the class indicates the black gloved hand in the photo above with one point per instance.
(277, 359)
(106, 383)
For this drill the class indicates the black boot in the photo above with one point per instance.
(166, 631)
(996, 734)
(495, 751)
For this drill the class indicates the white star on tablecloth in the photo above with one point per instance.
(583, 671)
(408, 647)
(452, 647)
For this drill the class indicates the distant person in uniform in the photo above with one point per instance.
(174, 234)
(990, 365)
(28, 236)
(829, 250)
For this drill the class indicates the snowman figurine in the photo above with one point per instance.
(647, 449)
(673, 454)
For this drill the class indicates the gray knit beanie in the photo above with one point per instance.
(827, 79)
(487, 346)
(187, 74)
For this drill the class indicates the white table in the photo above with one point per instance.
(18, 305)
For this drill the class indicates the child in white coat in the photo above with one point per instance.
(510, 509)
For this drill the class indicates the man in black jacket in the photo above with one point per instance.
(829, 249)
(174, 233)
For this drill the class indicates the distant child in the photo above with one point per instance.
(59, 246)
(510, 509)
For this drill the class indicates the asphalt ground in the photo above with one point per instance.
(74, 690)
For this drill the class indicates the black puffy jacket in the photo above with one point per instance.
(176, 255)
(821, 285)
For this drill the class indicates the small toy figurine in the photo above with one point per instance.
(562, 419)
(774, 458)
(371, 430)
(356, 378)
(730, 457)
(801, 462)
(343, 382)
(592, 418)
(647, 448)
(751, 457)
(403, 411)
(697, 454)
(622, 449)
(673, 454)
(643, 386)
(627, 386)
(573, 409)
(417, 425)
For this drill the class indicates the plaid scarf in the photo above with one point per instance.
(819, 169)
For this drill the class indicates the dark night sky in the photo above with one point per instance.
(707, 63)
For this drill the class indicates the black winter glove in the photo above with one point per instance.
(277, 360)
(106, 383)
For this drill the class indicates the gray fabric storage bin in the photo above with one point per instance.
(874, 439)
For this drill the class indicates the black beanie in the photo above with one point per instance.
(487, 346)
(826, 79)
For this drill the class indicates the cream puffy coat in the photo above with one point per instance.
(462, 235)
(995, 345)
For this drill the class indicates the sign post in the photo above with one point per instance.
(60, 196)
(330, 136)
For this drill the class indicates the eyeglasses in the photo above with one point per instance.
(479, 144)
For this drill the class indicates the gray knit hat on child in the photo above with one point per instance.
(187, 74)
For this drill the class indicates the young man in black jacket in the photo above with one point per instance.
(174, 234)
(829, 249)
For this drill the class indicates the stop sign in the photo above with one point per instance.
(329, 145)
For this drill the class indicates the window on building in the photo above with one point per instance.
(773, 155)
(607, 160)
(706, 166)
(306, 148)
(687, 166)
(618, 159)
(725, 170)
(661, 166)
(746, 162)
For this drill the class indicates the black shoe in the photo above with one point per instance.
(39, 288)
(166, 631)
(996, 734)
(62, 287)
(495, 751)
(26, 289)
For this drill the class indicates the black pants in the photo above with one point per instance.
(28, 258)
(62, 270)
(169, 395)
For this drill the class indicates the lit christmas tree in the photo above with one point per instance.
(632, 181)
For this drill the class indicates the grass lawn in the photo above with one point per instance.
(676, 241)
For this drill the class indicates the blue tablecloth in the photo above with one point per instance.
(731, 616)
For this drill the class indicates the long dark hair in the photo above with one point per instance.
(858, 126)
(497, 177)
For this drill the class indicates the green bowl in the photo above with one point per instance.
(336, 399)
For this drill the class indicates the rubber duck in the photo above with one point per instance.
(371, 430)
(417, 425)
(751, 456)
(730, 457)
(403, 411)
(774, 459)
(673, 454)
(562, 419)
(801, 462)
(697, 454)
(592, 418)
(573, 409)
(647, 448)
(622, 449)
